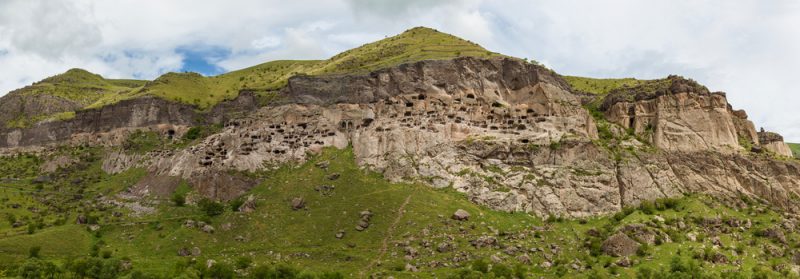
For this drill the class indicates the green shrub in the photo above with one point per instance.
(179, 199)
(211, 208)
(33, 252)
(243, 262)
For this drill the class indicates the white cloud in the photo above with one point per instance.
(746, 48)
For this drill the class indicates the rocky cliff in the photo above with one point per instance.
(509, 134)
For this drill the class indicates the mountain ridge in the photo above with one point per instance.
(465, 167)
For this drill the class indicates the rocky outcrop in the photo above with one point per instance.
(110, 125)
(774, 142)
(509, 134)
(679, 118)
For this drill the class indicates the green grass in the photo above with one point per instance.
(276, 234)
(600, 86)
(795, 147)
(93, 91)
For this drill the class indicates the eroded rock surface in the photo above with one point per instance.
(509, 134)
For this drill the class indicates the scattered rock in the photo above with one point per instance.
(624, 262)
(334, 176)
(620, 244)
(249, 205)
(189, 224)
(775, 234)
(411, 268)
(239, 238)
(691, 236)
(546, 264)
(94, 227)
(340, 234)
(298, 203)
(196, 251)
(443, 247)
(207, 228)
(184, 252)
(323, 164)
(325, 190)
(719, 258)
(495, 259)
(524, 259)
(461, 215)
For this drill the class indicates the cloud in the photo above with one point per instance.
(745, 48)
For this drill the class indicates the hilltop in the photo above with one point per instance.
(78, 89)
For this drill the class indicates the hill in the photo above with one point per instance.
(89, 91)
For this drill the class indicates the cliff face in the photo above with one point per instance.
(509, 134)
(109, 125)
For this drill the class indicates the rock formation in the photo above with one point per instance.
(511, 135)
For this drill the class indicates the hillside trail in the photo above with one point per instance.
(389, 234)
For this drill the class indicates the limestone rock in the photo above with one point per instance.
(619, 245)
(298, 203)
(461, 215)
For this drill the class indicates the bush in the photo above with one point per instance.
(243, 262)
(106, 254)
(221, 271)
(480, 265)
(211, 208)
(235, 204)
(647, 207)
(179, 199)
(643, 250)
(31, 228)
(33, 252)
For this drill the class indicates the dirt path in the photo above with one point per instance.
(389, 234)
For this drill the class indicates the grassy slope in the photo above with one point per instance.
(413, 45)
(600, 86)
(76, 85)
(795, 149)
(274, 233)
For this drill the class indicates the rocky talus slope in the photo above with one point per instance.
(511, 135)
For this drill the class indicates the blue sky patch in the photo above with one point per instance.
(202, 59)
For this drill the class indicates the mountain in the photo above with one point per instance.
(420, 155)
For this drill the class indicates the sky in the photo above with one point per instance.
(749, 49)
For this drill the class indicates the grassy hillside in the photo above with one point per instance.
(81, 86)
(413, 45)
(795, 147)
(600, 85)
(410, 228)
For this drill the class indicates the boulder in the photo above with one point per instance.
(461, 215)
(184, 252)
(619, 245)
(298, 203)
(207, 228)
